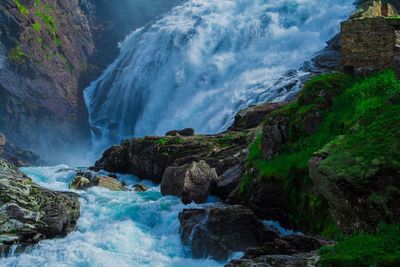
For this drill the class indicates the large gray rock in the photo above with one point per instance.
(191, 182)
(29, 213)
(218, 231)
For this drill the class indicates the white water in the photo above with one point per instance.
(115, 229)
(205, 60)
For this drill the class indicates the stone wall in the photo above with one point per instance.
(369, 44)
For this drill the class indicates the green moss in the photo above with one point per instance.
(37, 27)
(359, 119)
(161, 141)
(17, 55)
(381, 248)
(229, 139)
(22, 8)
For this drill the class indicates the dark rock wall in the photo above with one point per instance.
(50, 50)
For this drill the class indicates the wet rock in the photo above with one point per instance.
(228, 181)
(30, 213)
(252, 116)
(218, 231)
(184, 132)
(86, 179)
(108, 182)
(80, 183)
(191, 182)
(140, 188)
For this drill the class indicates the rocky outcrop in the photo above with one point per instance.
(46, 44)
(16, 155)
(30, 213)
(225, 184)
(360, 195)
(369, 45)
(190, 182)
(293, 250)
(252, 116)
(149, 157)
(184, 132)
(50, 50)
(218, 231)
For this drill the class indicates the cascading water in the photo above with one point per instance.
(124, 229)
(205, 60)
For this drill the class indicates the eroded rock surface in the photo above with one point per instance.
(30, 213)
(191, 182)
(220, 230)
(149, 157)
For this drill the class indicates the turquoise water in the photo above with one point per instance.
(115, 228)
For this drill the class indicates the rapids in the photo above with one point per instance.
(115, 229)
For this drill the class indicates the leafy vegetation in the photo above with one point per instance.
(359, 116)
(22, 8)
(381, 248)
(37, 27)
(16, 55)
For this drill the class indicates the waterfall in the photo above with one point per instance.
(203, 61)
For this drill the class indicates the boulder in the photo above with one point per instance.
(30, 213)
(86, 179)
(184, 132)
(218, 231)
(140, 188)
(80, 183)
(252, 116)
(228, 182)
(108, 182)
(191, 182)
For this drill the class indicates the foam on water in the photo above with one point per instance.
(115, 229)
(205, 60)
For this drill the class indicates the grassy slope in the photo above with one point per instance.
(363, 122)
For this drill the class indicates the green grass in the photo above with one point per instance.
(37, 27)
(365, 111)
(22, 8)
(381, 248)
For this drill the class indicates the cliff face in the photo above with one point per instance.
(45, 45)
(50, 50)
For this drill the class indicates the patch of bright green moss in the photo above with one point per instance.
(381, 248)
(22, 8)
(360, 118)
